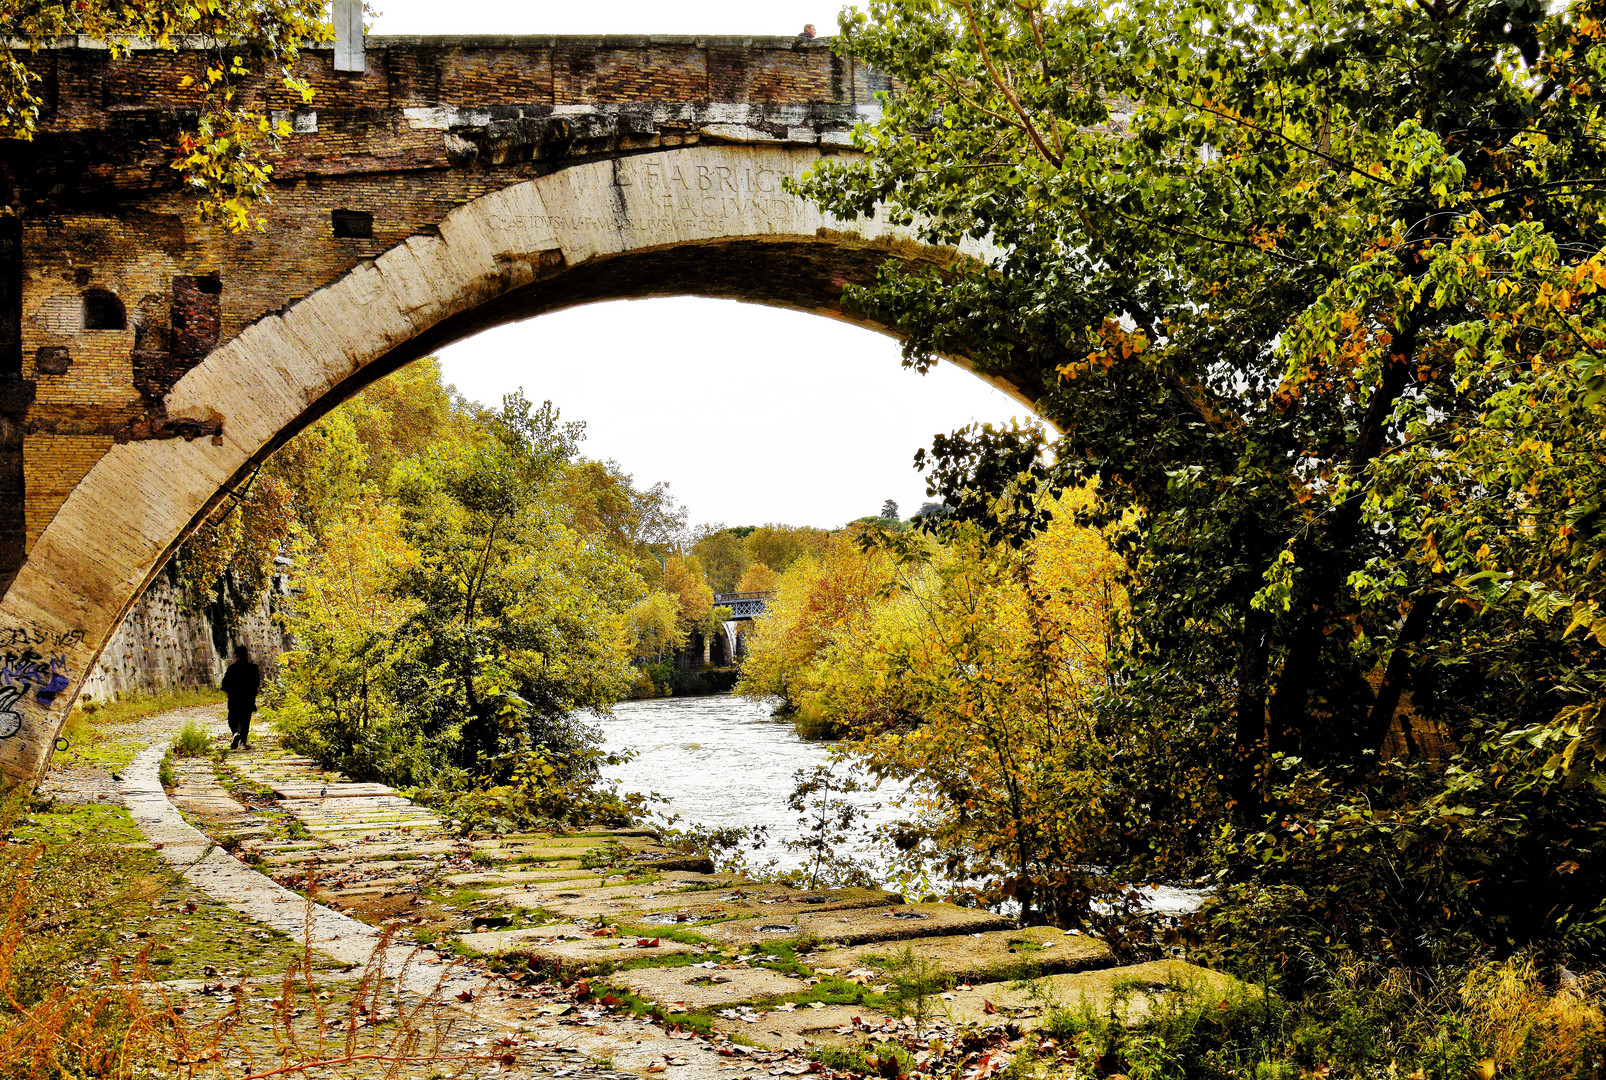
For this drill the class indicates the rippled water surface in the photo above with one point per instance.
(726, 761)
(720, 761)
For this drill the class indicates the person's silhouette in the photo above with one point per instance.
(241, 682)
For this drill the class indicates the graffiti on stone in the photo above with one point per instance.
(12, 637)
(24, 669)
(10, 719)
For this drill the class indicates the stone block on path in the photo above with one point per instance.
(857, 926)
(694, 988)
(984, 957)
(1145, 985)
(801, 1027)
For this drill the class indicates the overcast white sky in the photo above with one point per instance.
(751, 414)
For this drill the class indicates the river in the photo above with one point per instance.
(724, 761)
(727, 761)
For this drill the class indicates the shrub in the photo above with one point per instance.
(192, 740)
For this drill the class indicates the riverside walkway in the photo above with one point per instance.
(569, 946)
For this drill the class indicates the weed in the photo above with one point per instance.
(1529, 1031)
(193, 740)
(916, 979)
(598, 858)
(164, 772)
(482, 857)
(883, 1059)
(700, 1022)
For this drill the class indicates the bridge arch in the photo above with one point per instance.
(708, 220)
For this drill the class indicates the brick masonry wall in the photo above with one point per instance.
(433, 123)
(162, 646)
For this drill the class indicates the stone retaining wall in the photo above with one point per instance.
(162, 646)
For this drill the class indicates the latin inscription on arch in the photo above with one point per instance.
(657, 199)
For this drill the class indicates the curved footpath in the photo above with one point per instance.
(776, 970)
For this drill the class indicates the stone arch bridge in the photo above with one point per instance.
(148, 364)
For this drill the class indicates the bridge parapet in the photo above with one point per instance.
(108, 123)
(745, 605)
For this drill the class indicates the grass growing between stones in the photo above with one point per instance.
(699, 1021)
(113, 966)
(91, 730)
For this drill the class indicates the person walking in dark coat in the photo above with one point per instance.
(241, 682)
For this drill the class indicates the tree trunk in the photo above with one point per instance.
(1398, 672)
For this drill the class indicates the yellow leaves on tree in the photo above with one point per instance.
(758, 578)
(968, 670)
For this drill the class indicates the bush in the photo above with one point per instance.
(548, 790)
(192, 741)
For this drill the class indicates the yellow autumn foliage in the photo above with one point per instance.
(968, 671)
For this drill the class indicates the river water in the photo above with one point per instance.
(728, 761)
(725, 761)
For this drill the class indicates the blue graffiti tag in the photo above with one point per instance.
(24, 670)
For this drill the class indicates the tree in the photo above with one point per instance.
(818, 599)
(889, 509)
(778, 546)
(684, 580)
(758, 578)
(972, 672)
(520, 621)
(1312, 292)
(341, 678)
(724, 558)
(659, 633)
(223, 160)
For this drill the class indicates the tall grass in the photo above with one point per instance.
(137, 706)
(126, 1024)
(1498, 1018)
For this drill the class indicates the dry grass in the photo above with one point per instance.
(1530, 1031)
(57, 1020)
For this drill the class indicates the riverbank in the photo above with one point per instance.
(668, 679)
(551, 948)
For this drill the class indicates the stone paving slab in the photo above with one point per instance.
(568, 943)
(197, 792)
(983, 957)
(1095, 990)
(580, 878)
(802, 1027)
(332, 789)
(854, 927)
(694, 988)
(769, 902)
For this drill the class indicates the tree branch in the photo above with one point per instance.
(1004, 88)
(1398, 671)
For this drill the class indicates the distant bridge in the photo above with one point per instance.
(744, 605)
